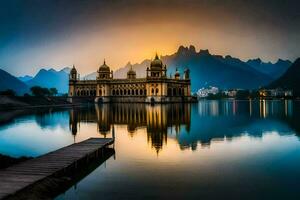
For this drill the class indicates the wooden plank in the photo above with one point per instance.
(20, 176)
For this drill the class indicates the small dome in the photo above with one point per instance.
(104, 67)
(73, 70)
(131, 73)
(156, 63)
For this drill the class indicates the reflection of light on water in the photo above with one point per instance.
(288, 108)
(214, 107)
(276, 107)
(250, 107)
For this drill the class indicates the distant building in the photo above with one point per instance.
(278, 92)
(156, 87)
(205, 92)
(231, 93)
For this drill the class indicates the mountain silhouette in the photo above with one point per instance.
(206, 69)
(51, 78)
(25, 78)
(274, 70)
(8, 81)
(290, 79)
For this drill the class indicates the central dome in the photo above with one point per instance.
(104, 67)
(156, 63)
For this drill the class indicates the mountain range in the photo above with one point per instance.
(290, 79)
(51, 78)
(206, 70)
(215, 70)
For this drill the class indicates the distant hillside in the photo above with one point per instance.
(8, 81)
(25, 78)
(51, 78)
(290, 79)
(273, 70)
(91, 76)
(207, 69)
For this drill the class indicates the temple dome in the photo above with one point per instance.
(156, 63)
(104, 68)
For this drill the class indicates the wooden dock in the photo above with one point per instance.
(18, 177)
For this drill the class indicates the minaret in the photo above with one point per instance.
(177, 74)
(72, 81)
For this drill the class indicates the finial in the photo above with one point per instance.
(73, 66)
(156, 56)
(104, 61)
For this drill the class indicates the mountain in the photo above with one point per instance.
(51, 78)
(139, 68)
(290, 79)
(274, 70)
(91, 76)
(25, 78)
(206, 69)
(8, 81)
(66, 70)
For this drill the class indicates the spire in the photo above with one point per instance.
(156, 56)
(104, 62)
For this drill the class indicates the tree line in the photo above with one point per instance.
(35, 91)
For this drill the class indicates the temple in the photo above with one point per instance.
(156, 87)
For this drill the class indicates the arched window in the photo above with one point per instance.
(117, 92)
(169, 92)
(121, 92)
(136, 92)
(78, 94)
(156, 91)
(179, 92)
(125, 91)
(132, 92)
(152, 91)
(100, 92)
(174, 92)
(113, 92)
(141, 92)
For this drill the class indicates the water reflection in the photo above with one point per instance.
(32, 133)
(157, 120)
(193, 124)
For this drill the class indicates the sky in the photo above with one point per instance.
(38, 34)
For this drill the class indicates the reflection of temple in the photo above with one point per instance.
(156, 119)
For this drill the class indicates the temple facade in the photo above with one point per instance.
(156, 87)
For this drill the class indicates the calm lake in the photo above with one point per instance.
(212, 149)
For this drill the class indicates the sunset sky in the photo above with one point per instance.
(59, 33)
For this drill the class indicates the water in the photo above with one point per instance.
(213, 149)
